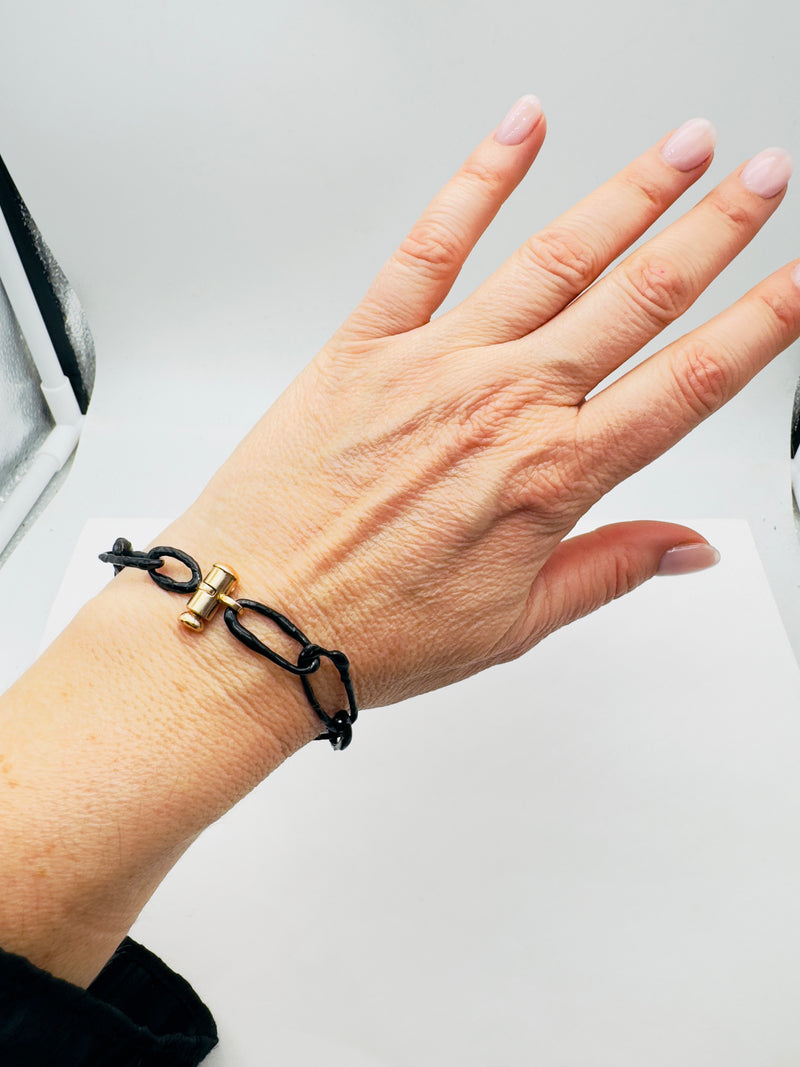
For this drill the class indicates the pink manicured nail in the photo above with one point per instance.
(685, 559)
(796, 275)
(519, 122)
(768, 172)
(690, 145)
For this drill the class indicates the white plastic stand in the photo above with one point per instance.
(56, 388)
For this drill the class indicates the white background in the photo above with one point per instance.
(220, 182)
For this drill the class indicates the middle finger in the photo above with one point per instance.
(554, 266)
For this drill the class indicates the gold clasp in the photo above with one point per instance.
(212, 591)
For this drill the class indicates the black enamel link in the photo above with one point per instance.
(173, 585)
(338, 727)
(122, 556)
(241, 633)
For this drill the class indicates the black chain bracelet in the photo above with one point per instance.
(215, 589)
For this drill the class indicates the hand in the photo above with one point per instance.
(407, 500)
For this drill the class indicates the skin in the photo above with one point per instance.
(408, 500)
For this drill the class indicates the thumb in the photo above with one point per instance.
(590, 570)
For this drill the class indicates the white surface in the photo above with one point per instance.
(588, 858)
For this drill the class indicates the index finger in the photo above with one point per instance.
(420, 273)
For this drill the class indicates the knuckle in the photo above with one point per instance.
(545, 492)
(658, 288)
(432, 246)
(565, 255)
(781, 315)
(703, 380)
(646, 188)
(486, 178)
(550, 485)
(625, 574)
(620, 581)
(487, 414)
(733, 213)
(609, 583)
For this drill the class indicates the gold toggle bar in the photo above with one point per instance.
(212, 590)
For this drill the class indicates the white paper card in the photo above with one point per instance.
(589, 858)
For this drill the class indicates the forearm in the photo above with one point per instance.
(127, 738)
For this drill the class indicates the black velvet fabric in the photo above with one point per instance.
(137, 1013)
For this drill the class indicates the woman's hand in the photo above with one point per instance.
(407, 500)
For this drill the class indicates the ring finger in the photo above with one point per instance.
(658, 282)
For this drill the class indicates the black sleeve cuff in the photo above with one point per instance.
(137, 1011)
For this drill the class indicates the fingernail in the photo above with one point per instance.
(519, 122)
(685, 559)
(690, 145)
(768, 172)
(796, 275)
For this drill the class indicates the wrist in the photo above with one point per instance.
(123, 742)
(232, 716)
(285, 581)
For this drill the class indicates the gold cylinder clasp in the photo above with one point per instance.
(218, 583)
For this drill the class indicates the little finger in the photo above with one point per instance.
(637, 418)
